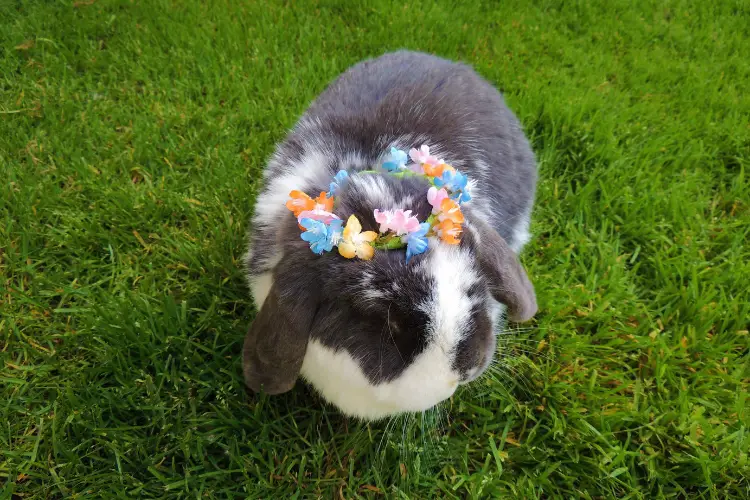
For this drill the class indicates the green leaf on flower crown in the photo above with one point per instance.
(388, 242)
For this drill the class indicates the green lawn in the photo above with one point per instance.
(132, 138)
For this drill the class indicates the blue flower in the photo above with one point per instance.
(456, 183)
(462, 196)
(321, 237)
(338, 181)
(416, 242)
(396, 160)
(453, 181)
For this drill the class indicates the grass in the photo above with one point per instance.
(132, 137)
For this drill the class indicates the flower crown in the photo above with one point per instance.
(323, 229)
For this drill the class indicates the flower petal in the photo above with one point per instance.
(353, 228)
(334, 232)
(384, 219)
(368, 236)
(412, 224)
(450, 210)
(435, 197)
(321, 215)
(323, 202)
(449, 232)
(414, 155)
(418, 246)
(433, 170)
(347, 250)
(365, 251)
(299, 202)
(416, 168)
(396, 160)
(338, 181)
(320, 246)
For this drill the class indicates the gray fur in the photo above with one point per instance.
(404, 99)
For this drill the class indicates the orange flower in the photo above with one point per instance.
(450, 210)
(449, 231)
(324, 203)
(299, 202)
(433, 170)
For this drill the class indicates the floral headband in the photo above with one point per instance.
(323, 229)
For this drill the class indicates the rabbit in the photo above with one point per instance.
(385, 336)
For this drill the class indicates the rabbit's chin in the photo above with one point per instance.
(339, 379)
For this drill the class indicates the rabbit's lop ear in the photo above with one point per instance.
(508, 281)
(276, 343)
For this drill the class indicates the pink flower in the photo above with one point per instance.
(399, 221)
(416, 168)
(323, 216)
(422, 155)
(436, 196)
(384, 219)
(404, 222)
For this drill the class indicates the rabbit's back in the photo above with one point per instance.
(403, 99)
(410, 98)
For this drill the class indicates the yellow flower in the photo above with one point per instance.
(355, 242)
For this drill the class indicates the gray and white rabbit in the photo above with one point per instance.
(384, 336)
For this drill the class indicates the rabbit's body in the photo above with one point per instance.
(386, 336)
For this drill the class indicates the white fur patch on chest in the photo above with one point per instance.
(338, 377)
